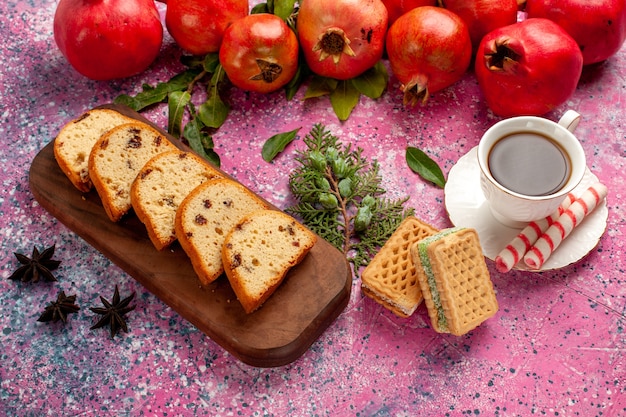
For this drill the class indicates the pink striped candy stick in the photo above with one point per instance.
(559, 230)
(517, 248)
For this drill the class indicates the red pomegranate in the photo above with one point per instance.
(598, 26)
(527, 68)
(259, 53)
(429, 49)
(397, 8)
(198, 26)
(342, 38)
(108, 39)
(483, 16)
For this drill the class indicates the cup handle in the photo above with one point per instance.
(570, 120)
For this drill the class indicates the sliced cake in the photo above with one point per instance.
(204, 218)
(259, 251)
(161, 185)
(116, 159)
(75, 140)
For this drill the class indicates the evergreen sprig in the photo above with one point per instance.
(340, 197)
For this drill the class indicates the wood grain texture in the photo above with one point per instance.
(311, 297)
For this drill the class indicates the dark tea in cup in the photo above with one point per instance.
(529, 163)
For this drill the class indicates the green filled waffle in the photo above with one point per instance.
(454, 280)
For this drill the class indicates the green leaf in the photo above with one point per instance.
(344, 99)
(284, 8)
(423, 165)
(218, 76)
(176, 103)
(213, 157)
(320, 86)
(211, 62)
(181, 81)
(152, 95)
(277, 143)
(128, 101)
(200, 141)
(260, 8)
(372, 82)
(192, 61)
(213, 112)
(294, 84)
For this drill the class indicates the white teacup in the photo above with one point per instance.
(528, 165)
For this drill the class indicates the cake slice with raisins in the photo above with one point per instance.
(205, 217)
(161, 185)
(75, 140)
(259, 251)
(116, 159)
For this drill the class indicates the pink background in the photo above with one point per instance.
(556, 347)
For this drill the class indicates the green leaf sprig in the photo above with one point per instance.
(340, 197)
(177, 93)
(344, 95)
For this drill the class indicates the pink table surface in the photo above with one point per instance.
(556, 347)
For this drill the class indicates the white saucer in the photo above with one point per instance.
(467, 207)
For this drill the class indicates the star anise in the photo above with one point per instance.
(113, 313)
(37, 266)
(59, 309)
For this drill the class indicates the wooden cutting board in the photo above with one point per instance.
(310, 298)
